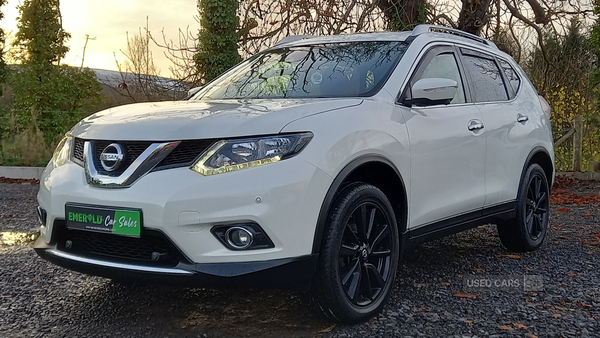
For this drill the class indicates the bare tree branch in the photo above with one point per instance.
(540, 14)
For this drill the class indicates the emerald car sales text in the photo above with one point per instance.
(97, 219)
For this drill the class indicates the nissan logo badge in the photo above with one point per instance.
(112, 156)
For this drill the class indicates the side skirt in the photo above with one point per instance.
(432, 231)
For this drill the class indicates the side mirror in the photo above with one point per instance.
(432, 91)
(192, 92)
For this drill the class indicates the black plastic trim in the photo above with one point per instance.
(534, 152)
(285, 272)
(60, 231)
(336, 187)
(459, 223)
(423, 102)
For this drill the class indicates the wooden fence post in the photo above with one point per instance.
(577, 143)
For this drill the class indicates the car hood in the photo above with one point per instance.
(179, 120)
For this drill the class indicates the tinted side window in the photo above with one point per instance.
(484, 75)
(511, 76)
(444, 66)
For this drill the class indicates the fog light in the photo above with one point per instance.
(242, 236)
(239, 238)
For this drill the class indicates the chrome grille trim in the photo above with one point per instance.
(147, 160)
(115, 265)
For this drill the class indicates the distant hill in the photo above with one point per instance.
(123, 88)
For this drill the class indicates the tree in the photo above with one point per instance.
(218, 38)
(473, 16)
(404, 14)
(140, 78)
(508, 21)
(40, 39)
(595, 43)
(2, 41)
(181, 54)
(512, 24)
(265, 22)
(48, 97)
(563, 77)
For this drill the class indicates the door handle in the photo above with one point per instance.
(522, 118)
(475, 125)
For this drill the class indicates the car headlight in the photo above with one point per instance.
(232, 155)
(63, 151)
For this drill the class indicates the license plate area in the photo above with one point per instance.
(104, 219)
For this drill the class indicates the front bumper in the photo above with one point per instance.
(268, 274)
(283, 198)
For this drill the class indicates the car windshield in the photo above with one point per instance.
(328, 70)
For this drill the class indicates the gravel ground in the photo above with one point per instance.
(430, 299)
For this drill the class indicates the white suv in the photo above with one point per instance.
(316, 162)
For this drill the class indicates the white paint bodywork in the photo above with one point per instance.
(447, 170)
(184, 120)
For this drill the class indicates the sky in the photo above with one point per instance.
(108, 21)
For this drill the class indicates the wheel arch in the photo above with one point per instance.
(372, 169)
(540, 156)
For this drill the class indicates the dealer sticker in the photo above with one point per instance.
(104, 219)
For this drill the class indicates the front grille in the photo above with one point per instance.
(120, 248)
(133, 151)
(182, 156)
(78, 150)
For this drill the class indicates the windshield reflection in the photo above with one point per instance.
(330, 70)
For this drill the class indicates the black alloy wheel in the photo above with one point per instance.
(365, 254)
(526, 232)
(536, 209)
(359, 258)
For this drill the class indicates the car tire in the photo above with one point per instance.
(359, 256)
(526, 232)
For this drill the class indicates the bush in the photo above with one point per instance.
(27, 148)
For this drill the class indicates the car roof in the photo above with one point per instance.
(305, 40)
(430, 31)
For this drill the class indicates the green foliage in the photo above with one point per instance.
(595, 43)
(218, 48)
(2, 41)
(405, 15)
(423, 11)
(48, 99)
(52, 101)
(563, 76)
(40, 38)
(26, 148)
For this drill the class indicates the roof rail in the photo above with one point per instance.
(423, 28)
(292, 38)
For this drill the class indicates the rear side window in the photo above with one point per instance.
(486, 82)
(511, 76)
